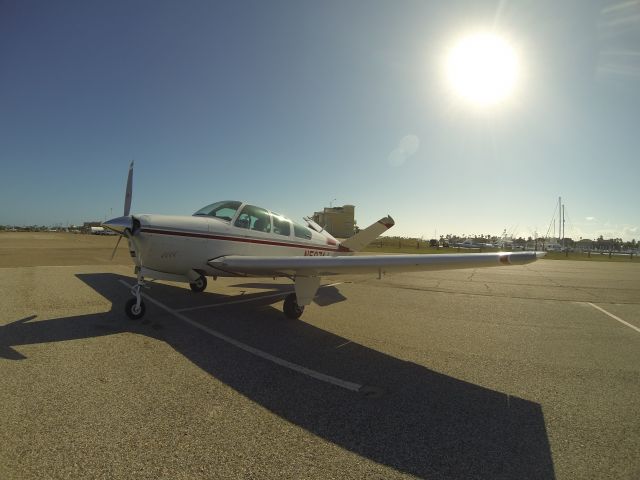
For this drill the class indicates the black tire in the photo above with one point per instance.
(291, 308)
(132, 311)
(199, 285)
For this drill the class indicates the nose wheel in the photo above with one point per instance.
(291, 308)
(133, 310)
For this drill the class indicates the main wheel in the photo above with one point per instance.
(199, 285)
(291, 308)
(133, 311)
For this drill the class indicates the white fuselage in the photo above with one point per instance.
(180, 244)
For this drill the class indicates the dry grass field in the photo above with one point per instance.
(30, 249)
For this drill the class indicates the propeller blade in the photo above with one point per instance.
(127, 195)
(113, 254)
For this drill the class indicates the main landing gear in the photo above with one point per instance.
(199, 285)
(291, 308)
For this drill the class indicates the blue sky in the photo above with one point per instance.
(291, 104)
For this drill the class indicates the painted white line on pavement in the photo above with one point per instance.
(354, 387)
(614, 317)
(244, 300)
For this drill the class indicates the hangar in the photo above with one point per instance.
(338, 221)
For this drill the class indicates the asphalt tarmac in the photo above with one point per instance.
(502, 373)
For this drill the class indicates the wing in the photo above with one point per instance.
(320, 266)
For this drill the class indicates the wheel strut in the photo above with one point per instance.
(291, 308)
(135, 308)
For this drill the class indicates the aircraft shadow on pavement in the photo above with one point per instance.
(423, 423)
(327, 295)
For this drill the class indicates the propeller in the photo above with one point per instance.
(127, 195)
(113, 254)
(124, 224)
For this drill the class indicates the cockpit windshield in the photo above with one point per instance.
(224, 210)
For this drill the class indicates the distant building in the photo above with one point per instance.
(585, 244)
(338, 221)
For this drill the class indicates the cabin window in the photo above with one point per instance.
(281, 226)
(301, 232)
(223, 210)
(254, 218)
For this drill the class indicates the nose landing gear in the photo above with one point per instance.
(134, 308)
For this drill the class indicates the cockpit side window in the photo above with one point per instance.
(224, 210)
(281, 225)
(301, 232)
(254, 218)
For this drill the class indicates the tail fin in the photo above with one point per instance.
(368, 235)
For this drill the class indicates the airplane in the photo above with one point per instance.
(470, 243)
(231, 238)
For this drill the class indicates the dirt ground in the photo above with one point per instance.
(30, 249)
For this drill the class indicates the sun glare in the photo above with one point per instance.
(482, 69)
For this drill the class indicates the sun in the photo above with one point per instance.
(482, 69)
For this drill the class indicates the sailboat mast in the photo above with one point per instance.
(559, 218)
(563, 227)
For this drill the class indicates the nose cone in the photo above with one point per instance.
(119, 224)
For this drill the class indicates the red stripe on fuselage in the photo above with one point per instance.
(309, 246)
